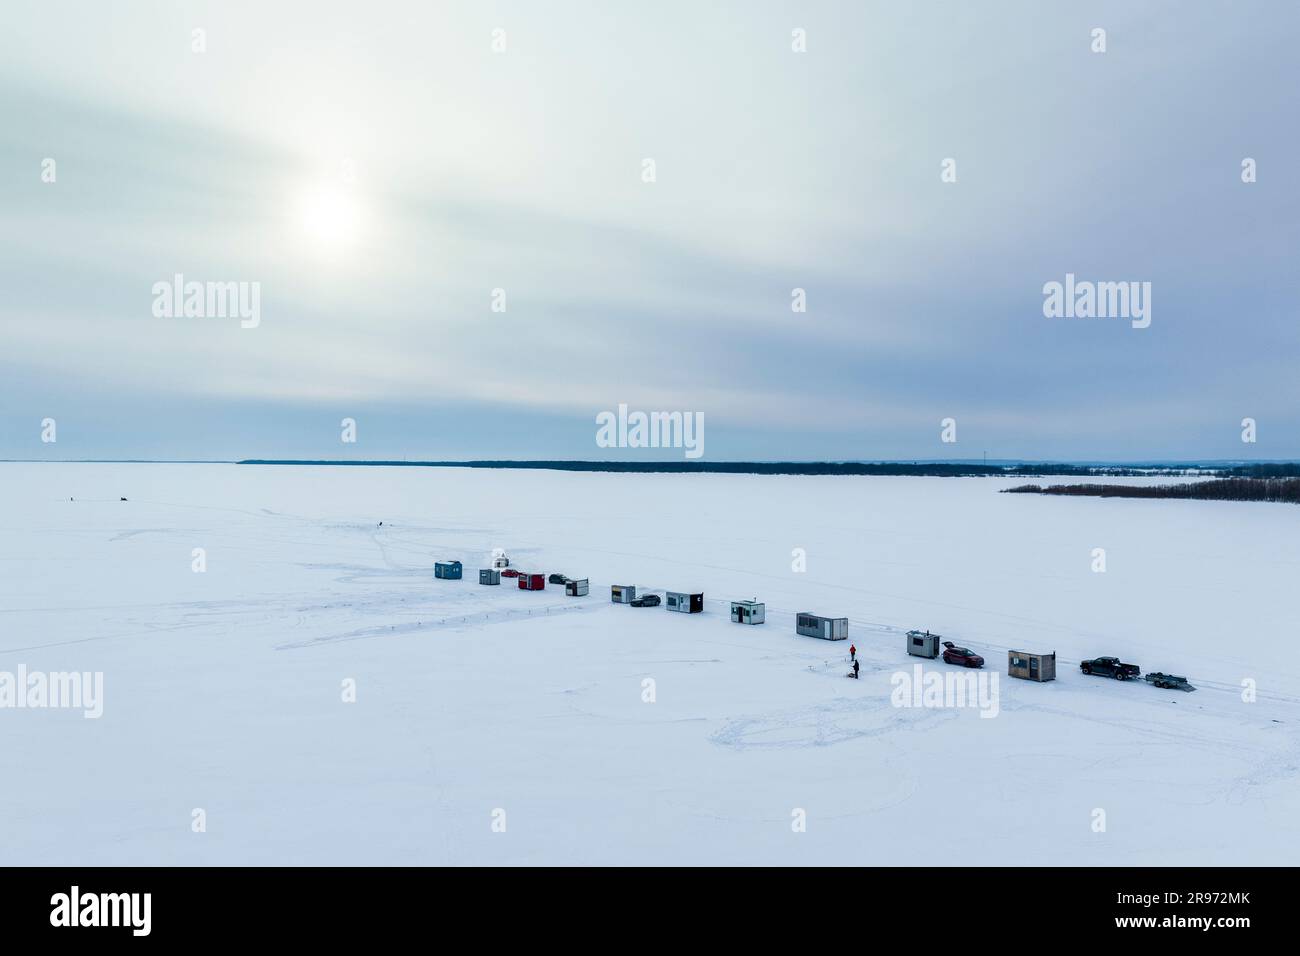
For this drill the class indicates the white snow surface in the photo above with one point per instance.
(223, 689)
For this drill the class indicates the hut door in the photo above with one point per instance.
(1033, 668)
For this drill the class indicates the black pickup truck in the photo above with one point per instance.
(1110, 667)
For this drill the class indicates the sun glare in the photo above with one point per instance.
(330, 215)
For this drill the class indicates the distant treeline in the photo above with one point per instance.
(1266, 470)
(915, 468)
(1219, 489)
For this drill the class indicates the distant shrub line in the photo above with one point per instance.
(1219, 489)
(901, 468)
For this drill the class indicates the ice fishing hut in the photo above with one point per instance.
(532, 582)
(684, 601)
(489, 576)
(747, 612)
(1027, 666)
(448, 570)
(923, 644)
(622, 593)
(578, 588)
(827, 628)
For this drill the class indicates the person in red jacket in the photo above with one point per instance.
(853, 652)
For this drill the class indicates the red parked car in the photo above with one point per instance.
(952, 654)
(510, 573)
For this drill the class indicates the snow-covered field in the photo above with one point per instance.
(223, 690)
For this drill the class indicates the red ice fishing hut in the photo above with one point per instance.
(532, 582)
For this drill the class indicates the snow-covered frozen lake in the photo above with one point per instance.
(223, 690)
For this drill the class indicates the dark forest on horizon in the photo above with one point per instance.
(1219, 489)
(895, 468)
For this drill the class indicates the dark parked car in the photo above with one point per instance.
(952, 654)
(557, 578)
(1110, 667)
(646, 600)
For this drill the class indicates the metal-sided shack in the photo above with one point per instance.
(747, 612)
(532, 582)
(448, 570)
(827, 628)
(489, 576)
(578, 588)
(923, 644)
(1027, 666)
(622, 593)
(684, 601)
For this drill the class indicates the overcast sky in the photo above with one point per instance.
(378, 169)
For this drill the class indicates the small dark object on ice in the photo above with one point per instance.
(121, 499)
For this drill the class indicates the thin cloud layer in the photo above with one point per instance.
(388, 180)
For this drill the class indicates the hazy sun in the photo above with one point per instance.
(330, 214)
